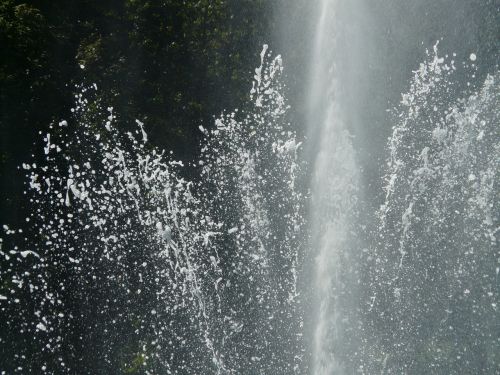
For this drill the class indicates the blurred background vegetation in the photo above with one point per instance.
(172, 64)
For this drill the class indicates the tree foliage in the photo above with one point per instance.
(173, 63)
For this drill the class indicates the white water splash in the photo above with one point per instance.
(201, 273)
(434, 269)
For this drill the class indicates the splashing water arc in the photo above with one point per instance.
(285, 253)
(213, 263)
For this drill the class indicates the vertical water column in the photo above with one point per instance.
(334, 184)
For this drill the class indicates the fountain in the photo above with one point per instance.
(366, 246)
